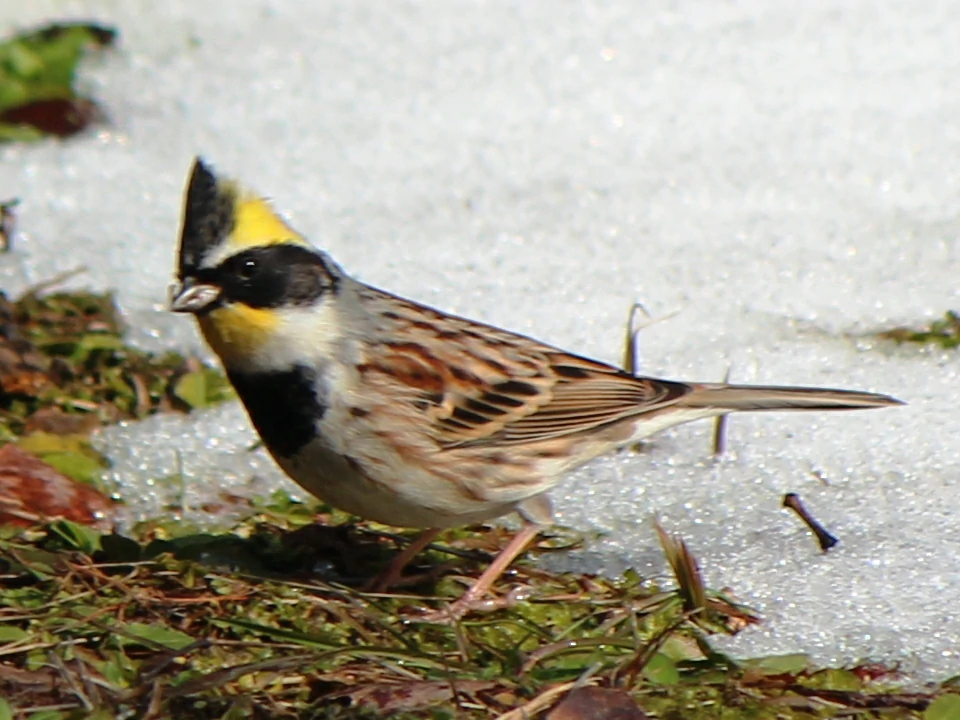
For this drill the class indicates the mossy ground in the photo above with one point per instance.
(242, 623)
(943, 332)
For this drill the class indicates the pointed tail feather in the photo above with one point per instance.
(759, 397)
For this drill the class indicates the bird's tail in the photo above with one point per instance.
(760, 397)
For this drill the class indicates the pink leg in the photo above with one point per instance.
(483, 583)
(394, 572)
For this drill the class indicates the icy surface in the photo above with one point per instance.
(785, 175)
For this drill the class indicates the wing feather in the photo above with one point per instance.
(479, 385)
(596, 396)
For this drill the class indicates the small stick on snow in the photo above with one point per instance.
(8, 222)
(826, 540)
(631, 354)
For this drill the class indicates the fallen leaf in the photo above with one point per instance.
(595, 703)
(54, 421)
(60, 117)
(944, 707)
(31, 491)
(790, 665)
(156, 634)
(29, 383)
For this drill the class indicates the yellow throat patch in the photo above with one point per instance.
(237, 332)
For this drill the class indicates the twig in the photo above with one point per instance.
(59, 279)
(8, 223)
(631, 357)
(826, 540)
(67, 676)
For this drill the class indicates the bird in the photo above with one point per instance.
(404, 414)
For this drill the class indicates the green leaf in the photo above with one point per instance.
(11, 634)
(661, 670)
(95, 341)
(42, 443)
(78, 466)
(19, 133)
(77, 536)
(945, 707)
(779, 664)
(192, 389)
(42, 564)
(6, 712)
(682, 648)
(47, 715)
(70, 454)
(117, 670)
(159, 635)
(838, 679)
(202, 388)
(219, 388)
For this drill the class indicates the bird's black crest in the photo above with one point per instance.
(207, 216)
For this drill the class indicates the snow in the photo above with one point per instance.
(784, 175)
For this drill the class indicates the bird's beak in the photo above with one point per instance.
(193, 297)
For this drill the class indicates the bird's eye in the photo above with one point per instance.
(247, 269)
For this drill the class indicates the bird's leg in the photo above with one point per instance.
(394, 571)
(474, 594)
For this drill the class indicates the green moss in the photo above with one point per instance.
(944, 332)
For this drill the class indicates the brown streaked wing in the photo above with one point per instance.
(583, 395)
(480, 385)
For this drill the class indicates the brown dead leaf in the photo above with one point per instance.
(61, 117)
(55, 421)
(595, 703)
(45, 677)
(29, 383)
(23, 371)
(32, 491)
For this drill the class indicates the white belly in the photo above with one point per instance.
(425, 502)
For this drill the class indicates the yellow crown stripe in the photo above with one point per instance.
(256, 223)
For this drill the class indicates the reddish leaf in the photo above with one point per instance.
(32, 491)
(29, 383)
(871, 672)
(594, 703)
(62, 117)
